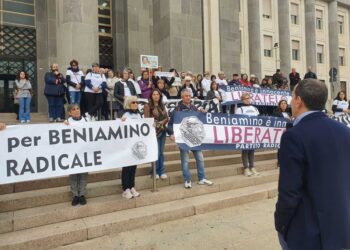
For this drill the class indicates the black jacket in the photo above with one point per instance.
(294, 79)
(119, 92)
(310, 75)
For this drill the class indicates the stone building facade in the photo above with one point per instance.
(235, 36)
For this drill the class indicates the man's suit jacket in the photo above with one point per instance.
(313, 207)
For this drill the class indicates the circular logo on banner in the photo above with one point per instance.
(139, 150)
(192, 131)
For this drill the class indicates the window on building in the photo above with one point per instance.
(268, 46)
(294, 13)
(18, 13)
(105, 33)
(267, 9)
(341, 24)
(295, 50)
(342, 57)
(320, 53)
(319, 19)
(104, 18)
(343, 86)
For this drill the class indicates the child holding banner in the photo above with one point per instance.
(78, 182)
(248, 155)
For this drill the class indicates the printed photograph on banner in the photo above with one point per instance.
(215, 131)
(150, 62)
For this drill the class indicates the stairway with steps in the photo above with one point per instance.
(38, 214)
(10, 118)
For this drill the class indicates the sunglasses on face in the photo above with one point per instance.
(134, 102)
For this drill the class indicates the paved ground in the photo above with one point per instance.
(248, 226)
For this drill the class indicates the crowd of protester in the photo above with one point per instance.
(104, 94)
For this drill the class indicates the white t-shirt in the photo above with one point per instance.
(247, 110)
(71, 120)
(340, 105)
(96, 80)
(220, 82)
(206, 86)
(74, 77)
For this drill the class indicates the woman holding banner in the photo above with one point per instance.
(156, 109)
(128, 173)
(340, 105)
(248, 154)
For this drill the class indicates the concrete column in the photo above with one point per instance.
(42, 52)
(120, 34)
(284, 36)
(254, 37)
(230, 37)
(333, 42)
(310, 33)
(211, 27)
(77, 32)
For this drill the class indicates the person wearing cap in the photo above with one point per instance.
(95, 82)
(188, 85)
(122, 89)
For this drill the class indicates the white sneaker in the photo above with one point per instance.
(157, 176)
(28, 121)
(163, 176)
(254, 172)
(23, 121)
(247, 172)
(205, 182)
(127, 194)
(134, 192)
(188, 184)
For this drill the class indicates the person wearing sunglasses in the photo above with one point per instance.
(131, 111)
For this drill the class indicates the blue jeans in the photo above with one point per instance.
(24, 108)
(160, 162)
(199, 163)
(75, 97)
(56, 106)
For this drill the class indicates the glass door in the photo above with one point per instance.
(7, 93)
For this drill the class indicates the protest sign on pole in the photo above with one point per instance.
(148, 61)
(52, 150)
(216, 131)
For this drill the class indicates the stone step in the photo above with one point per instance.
(44, 215)
(73, 231)
(170, 166)
(35, 198)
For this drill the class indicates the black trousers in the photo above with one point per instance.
(128, 177)
(94, 102)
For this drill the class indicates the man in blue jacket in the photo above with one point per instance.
(313, 207)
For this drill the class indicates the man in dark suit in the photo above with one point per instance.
(313, 207)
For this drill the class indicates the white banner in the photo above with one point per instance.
(164, 74)
(38, 151)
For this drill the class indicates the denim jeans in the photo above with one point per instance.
(56, 106)
(24, 108)
(199, 163)
(75, 97)
(160, 162)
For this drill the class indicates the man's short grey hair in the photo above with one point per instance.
(184, 91)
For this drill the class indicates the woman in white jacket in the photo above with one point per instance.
(248, 154)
